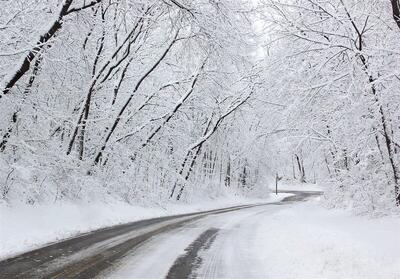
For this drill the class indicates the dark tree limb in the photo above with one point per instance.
(43, 39)
(93, 84)
(112, 129)
(91, 90)
(396, 11)
(180, 6)
(14, 118)
(220, 120)
(175, 109)
(77, 9)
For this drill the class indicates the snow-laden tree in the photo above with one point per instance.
(336, 67)
(134, 99)
(177, 99)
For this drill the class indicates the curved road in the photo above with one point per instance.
(150, 244)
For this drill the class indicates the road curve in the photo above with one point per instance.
(86, 255)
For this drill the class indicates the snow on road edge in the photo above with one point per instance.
(26, 227)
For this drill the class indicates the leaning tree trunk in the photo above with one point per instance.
(396, 171)
(188, 154)
(300, 165)
(14, 118)
(228, 173)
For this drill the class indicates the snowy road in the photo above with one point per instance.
(202, 245)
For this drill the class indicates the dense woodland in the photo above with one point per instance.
(156, 100)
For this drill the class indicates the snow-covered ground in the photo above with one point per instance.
(25, 227)
(294, 240)
(307, 241)
(301, 240)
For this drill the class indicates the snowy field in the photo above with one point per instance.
(297, 241)
(25, 227)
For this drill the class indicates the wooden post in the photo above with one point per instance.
(276, 183)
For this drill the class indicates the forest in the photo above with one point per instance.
(152, 101)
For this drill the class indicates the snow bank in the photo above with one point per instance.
(307, 241)
(25, 227)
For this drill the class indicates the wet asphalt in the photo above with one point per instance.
(86, 256)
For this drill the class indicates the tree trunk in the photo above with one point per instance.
(383, 119)
(300, 165)
(228, 173)
(389, 144)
